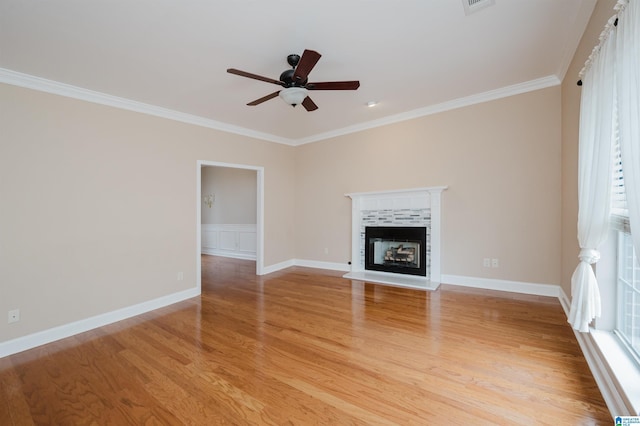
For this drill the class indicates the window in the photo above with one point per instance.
(610, 105)
(628, 298)
(627, 326)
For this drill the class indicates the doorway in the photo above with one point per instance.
(200, 198)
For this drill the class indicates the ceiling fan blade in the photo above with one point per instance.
(308, 60)
(264, 99)
(254, 76)
(333, 85)
(309, 105)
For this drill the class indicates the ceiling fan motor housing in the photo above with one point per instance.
(287, 78)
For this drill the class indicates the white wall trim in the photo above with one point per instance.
(249, 227)
(259, 213)
(278, 266)
(611, 393)
(49, 86)
(236, 241)
(602, 376)
(229, 254)
(608, 383)
(491, 95)
(464, 281)
(576, 32)
(503, 285)
(332, 266)
(565, 302)
(30, 341)
(409, 198)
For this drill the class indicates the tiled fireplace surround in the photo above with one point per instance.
(409, 207)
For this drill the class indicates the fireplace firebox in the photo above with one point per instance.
(396, 249)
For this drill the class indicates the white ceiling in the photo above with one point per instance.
(412, 56)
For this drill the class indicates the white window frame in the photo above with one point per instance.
(620, 362)
(634, 352)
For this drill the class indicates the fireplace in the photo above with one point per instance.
(404, 260)
(396, 249)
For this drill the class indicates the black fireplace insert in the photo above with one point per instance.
(396, 249)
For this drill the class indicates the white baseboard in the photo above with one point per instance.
(307, 264)
(322, 265)
(484, 283)
(278, 266)
(397, 280)
(30, 341)
(565, 302)
(609, 386)
(614, 399)
(598, 365)
(503, 285)
(229, 254)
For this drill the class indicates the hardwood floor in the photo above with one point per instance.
(304, 347)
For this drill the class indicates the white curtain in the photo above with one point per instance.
(628, 82)
(595, 163)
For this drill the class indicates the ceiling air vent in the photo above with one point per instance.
(472, 6)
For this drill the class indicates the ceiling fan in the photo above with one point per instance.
(295, 81)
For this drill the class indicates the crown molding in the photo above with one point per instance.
(577, 28)
(49, 86)
(516, 89)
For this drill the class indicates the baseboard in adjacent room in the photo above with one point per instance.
(229, 254)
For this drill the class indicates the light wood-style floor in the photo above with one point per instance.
(306, 347)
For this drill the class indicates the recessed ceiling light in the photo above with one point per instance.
(371, 104)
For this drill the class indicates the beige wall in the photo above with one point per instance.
(98, 206)
(500, 159)
(570, 122)
(235, 193)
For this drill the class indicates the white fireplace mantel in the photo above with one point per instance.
(415, 198)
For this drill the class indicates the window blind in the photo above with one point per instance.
(618, 194)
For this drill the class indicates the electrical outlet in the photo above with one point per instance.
(13, 316)
(180, 276)
(486, 262)
(326, 250)
(494, 263)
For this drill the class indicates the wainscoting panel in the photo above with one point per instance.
(228, 239)
(237, 241)
(209, 238)
(247, 242)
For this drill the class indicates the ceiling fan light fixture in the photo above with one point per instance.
(293, 95)
(295, 81)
